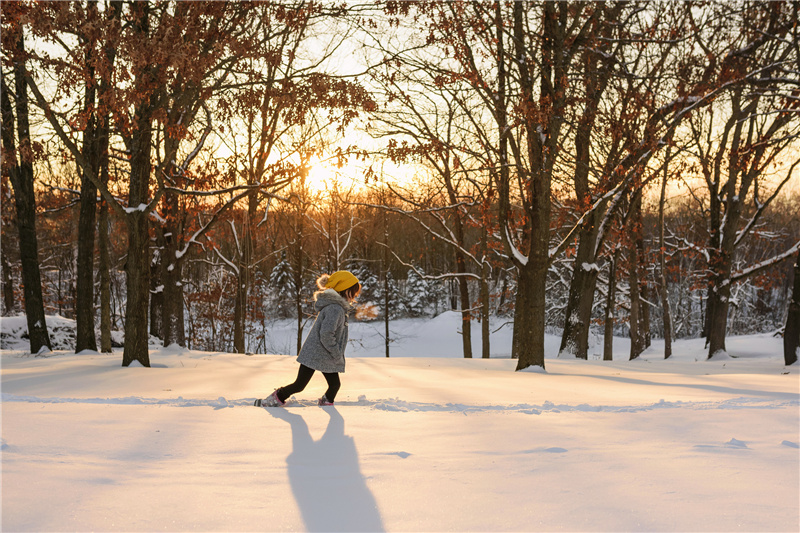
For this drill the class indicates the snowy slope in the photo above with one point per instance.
(423, 443)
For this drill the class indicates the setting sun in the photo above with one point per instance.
(322, 175)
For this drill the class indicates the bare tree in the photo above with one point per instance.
(760, 126)
(18, 163)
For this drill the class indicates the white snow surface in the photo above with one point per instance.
(427, 443)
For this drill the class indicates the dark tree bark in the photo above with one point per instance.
(21, 177)
(8, 280)
(485, 309)
(103, 133)
(243, 275)
(791, 335)
(634, 322)
(137, 265)
(84, 300)
(580, 300)
(466, 314)
(157, 289)
(171, 273)
(662, 267)
(542, 147)
(611, 297)
(386, 286)
(634, 261)
(104, 270)
(298, 271)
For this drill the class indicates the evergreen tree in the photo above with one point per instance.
(418, 294)
(370, 285)
(397, 305)
(281, 284)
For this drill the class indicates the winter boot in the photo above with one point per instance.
(270, 401)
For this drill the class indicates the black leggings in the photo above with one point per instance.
(303, 377)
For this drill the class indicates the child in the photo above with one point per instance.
(324, 347)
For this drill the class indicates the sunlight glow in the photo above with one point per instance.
(323, 175)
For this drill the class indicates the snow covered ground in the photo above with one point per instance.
(426, 443)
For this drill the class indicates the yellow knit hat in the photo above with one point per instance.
(341, 280)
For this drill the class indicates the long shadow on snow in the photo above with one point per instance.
(326, 478)
(776, 395)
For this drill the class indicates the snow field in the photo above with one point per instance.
(413, 444)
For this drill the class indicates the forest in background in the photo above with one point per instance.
(581, 168)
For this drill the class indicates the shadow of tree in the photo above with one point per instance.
(326, 478)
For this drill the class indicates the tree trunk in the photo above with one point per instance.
(485, 311)
(171, 276)
(637, 318)
(662, 268)
(137, 269)
(104, 259)
(104, 270)
(298, 276)
(580, 302)
(137, 266)
(637, 341)
(791, 334)
(171, 271)
(84, 301)
(239, 312)
(8, 280)
(466, 314)
(386, 293)
(644, 295)
(21, 177)
(242, 288)
(243, 276)
(157, 288)
(84, 298)
(529, 318)
(718, 298)
(611, 296)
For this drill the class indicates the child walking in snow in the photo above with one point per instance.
(323, 349)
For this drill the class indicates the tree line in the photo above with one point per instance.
(623, 164)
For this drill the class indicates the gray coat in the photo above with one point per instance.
(323, 349)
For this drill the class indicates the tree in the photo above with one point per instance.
(281, 285)
(760, 126)
(662, 266)
(423, 124)
(791, 333)
(544, 58)
(418, 293)
(160, 48)
(618, 59)
(288, 107)
(18, 165)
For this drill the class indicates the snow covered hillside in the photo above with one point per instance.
(426, 443)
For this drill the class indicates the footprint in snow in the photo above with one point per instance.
(733, 444)
(554, 449)
(790, 444)
(402, 455)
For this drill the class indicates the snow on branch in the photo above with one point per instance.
(226, 261)
(747, 272)
(204, 228)
(517, 255)
(762, 206)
